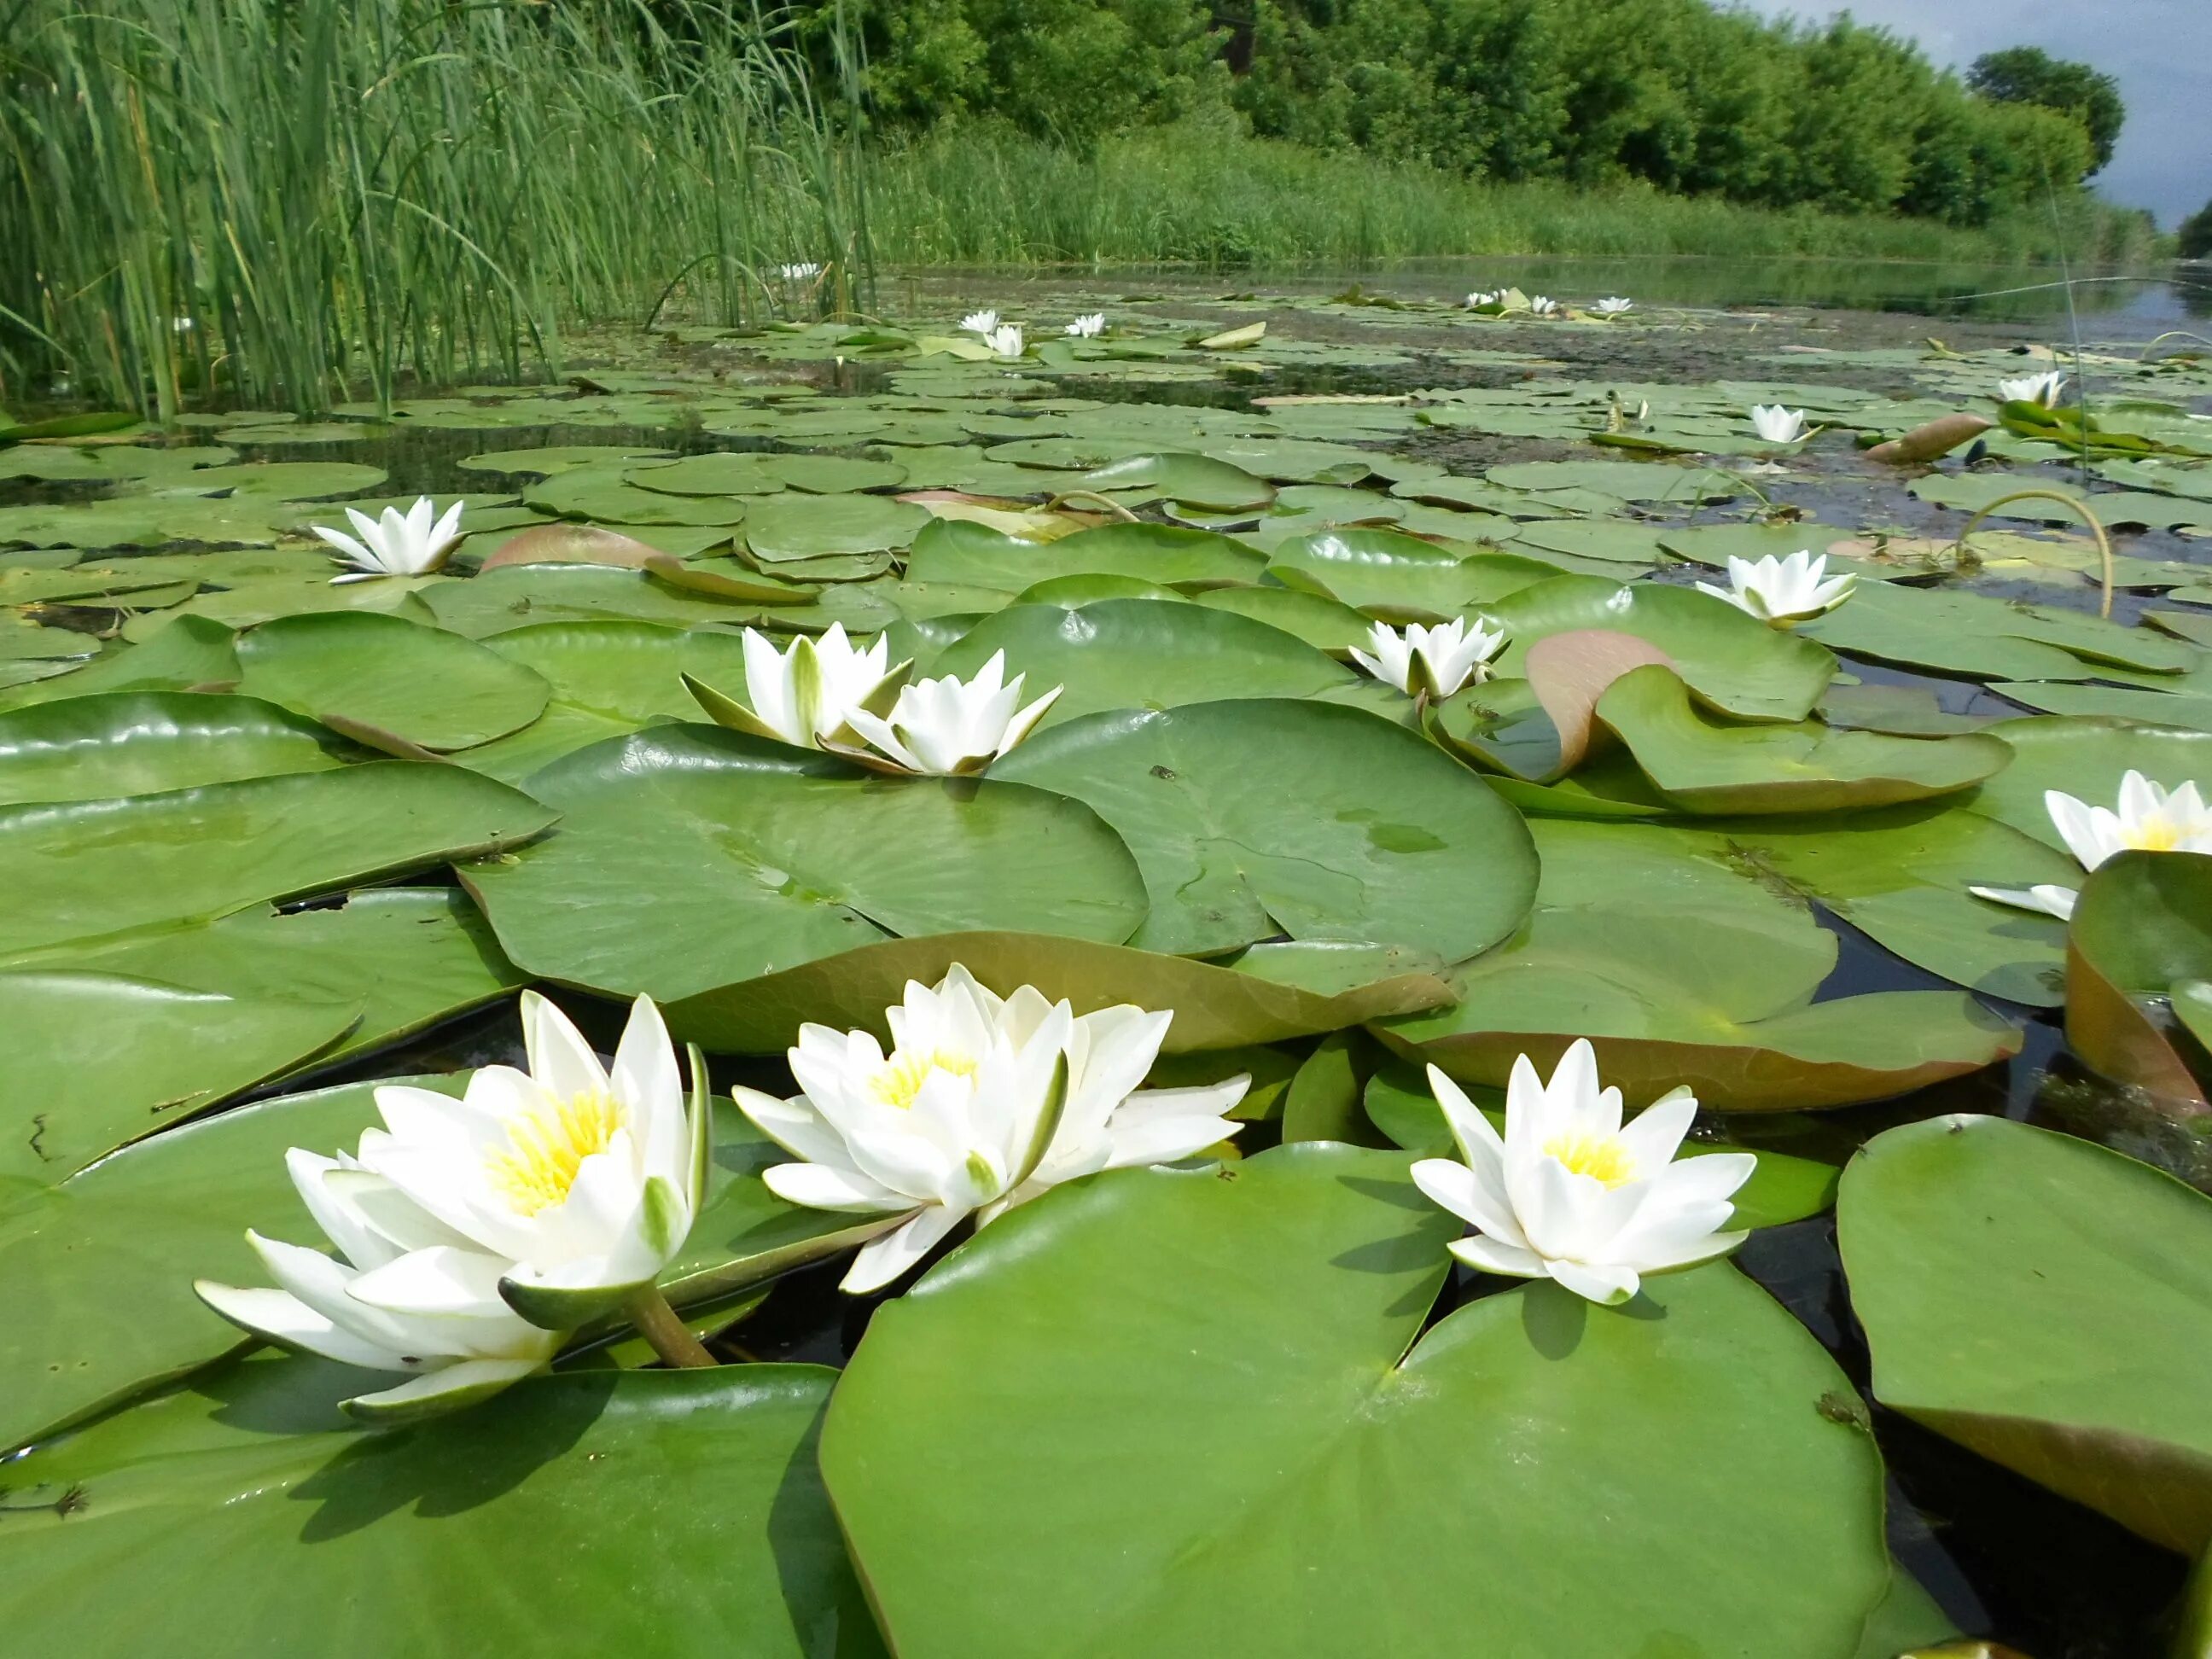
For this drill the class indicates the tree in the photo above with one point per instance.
(2028, 74)
(2196, 234)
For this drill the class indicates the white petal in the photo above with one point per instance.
(1608, 1285)
(885, 1258)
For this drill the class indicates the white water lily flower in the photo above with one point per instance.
(1614, 307)
(982, 1103)
(1569, 1194)
(1005, 340)
(1436, 660)
(2042, 389)
(1778, 425)
(806, 693)
(945, 727)
(980, 322)
(585, 1180)
(1543, 306)
(414, 544)
(799, 273)
(1476, 300)
(2150, 818)
(1088, 326)
(1781, 592)
(455, 1344)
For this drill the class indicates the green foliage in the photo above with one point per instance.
(1671, 93)
(291, 201)
(2028, 74)
(2194, 237)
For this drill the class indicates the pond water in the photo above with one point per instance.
(2002, 1556)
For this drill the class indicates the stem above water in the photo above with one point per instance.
(671, 1338)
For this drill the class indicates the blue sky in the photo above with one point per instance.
(2160, 51)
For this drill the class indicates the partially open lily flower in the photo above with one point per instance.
(1778, 425)
(799, 273)
(1569, 1194)
(1480, 298)
(1088, 326)
(1614, 307)
(585, 1180)
(946, 727)
(2039, 389)
(984, 323)
(1436, 661)
(983, 1102)
(1543, 306)
(2150, 818)
(1783, 592)
(404, 1295)
(805, 694)
(1005, 340)
(412, 544)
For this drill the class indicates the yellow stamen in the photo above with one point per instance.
(1599, 1156)
(547, 1146)
(2152, 836)
(900, 1081)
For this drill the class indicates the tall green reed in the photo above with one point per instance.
(286, 203)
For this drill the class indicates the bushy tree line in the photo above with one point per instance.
(1674, 93)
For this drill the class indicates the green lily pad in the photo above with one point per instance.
(689, 857)
(1681, 968)
(2047, 1302)
(605, 497)
(1143, 1312)
(781, 528)
(1269, 993)
(1192, 480)
(140, 742)
(1142, 654)
(2141, 932)
(1901, 874)
(183, 652)
(1631, 481)
(96, 1060)
(608, 678)
(1398, 578)
(1709, 766)
(1393, 841)
(358, 670)
(95, 872)
(2086, 757)
(561, 458)
(1740, 666)
(521, 595)
(1322, 623)
(1968, 633)
(267, 481)
(954, 552)
(131, 1234)
(254, 1462)
(407, 956)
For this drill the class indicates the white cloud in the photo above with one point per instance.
(2160, 51)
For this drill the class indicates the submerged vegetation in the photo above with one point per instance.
(278, 203)
(1220, 996)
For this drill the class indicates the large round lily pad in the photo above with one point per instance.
(1737, 664)
(689, 857)
(374, 675)
(1174, 1413)
(780, 529)
(1144, 654)
(1711, 766)
(2047, 1302)
(1396, 577)
(1681, 968)
(683, 1506)
(1389, 841)
(93, 1060)
(961, 554)
(140, 742)
(99, 871)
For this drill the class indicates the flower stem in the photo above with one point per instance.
(671, 1338)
